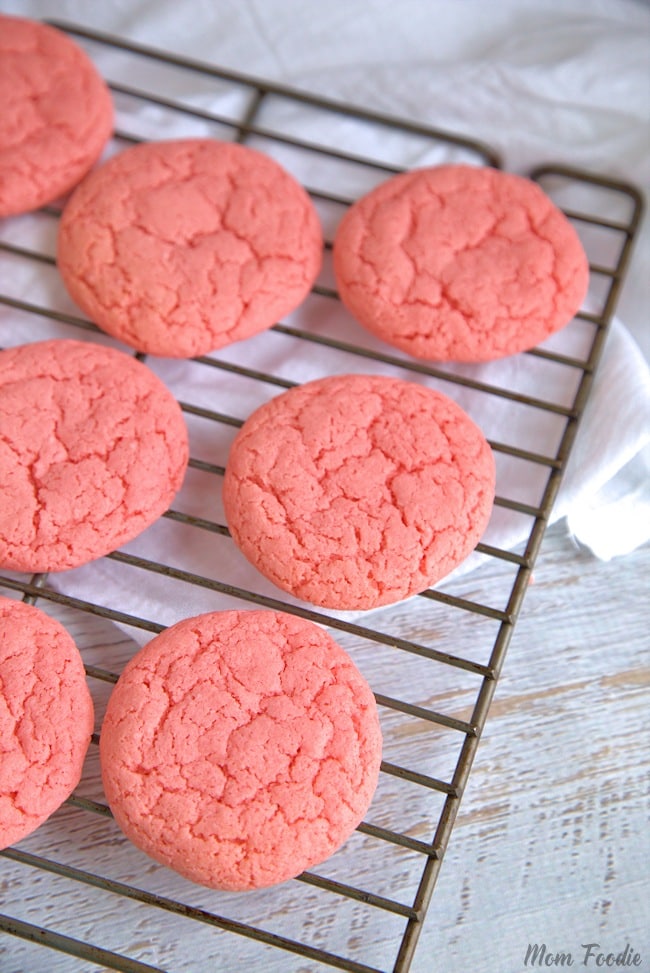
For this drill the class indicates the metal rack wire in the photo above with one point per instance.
(281, 121)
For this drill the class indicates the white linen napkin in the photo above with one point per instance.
(554, 84)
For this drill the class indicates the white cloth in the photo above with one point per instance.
(553, 81)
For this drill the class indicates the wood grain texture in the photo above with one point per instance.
(550, 845)
(551, 842)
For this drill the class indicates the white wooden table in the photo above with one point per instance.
(550, 845)
(551, 842)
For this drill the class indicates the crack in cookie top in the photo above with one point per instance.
(56, 116)
(46, 718)
(459, 263)
(93, 448)
(355, 491)
(179, 248)
(240, 748)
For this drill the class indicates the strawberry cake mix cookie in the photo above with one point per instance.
(179, 248)
(459, 263)
(93, 447)
(56, 114)
(240, 748)
(46, 718)
(356, 491)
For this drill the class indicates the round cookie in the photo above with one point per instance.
(356, 491)
(93, 447)
(57, 114)
(179, 248)
(46, 718)
(240, 748)
(459, 263)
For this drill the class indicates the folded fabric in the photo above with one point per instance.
(555, 84)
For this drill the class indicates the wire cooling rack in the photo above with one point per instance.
(433, 698)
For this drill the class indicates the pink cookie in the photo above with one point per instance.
(356, 491)
(46, 718)
(180, 248)
(93, 448)
(459, 263)
(240, 748)
(56, 116)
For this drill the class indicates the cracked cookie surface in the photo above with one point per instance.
(240, 748)
(46, 718)
(93, 448)
(356, 491)
(459, 263)
(180, 248)
(57, 114)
